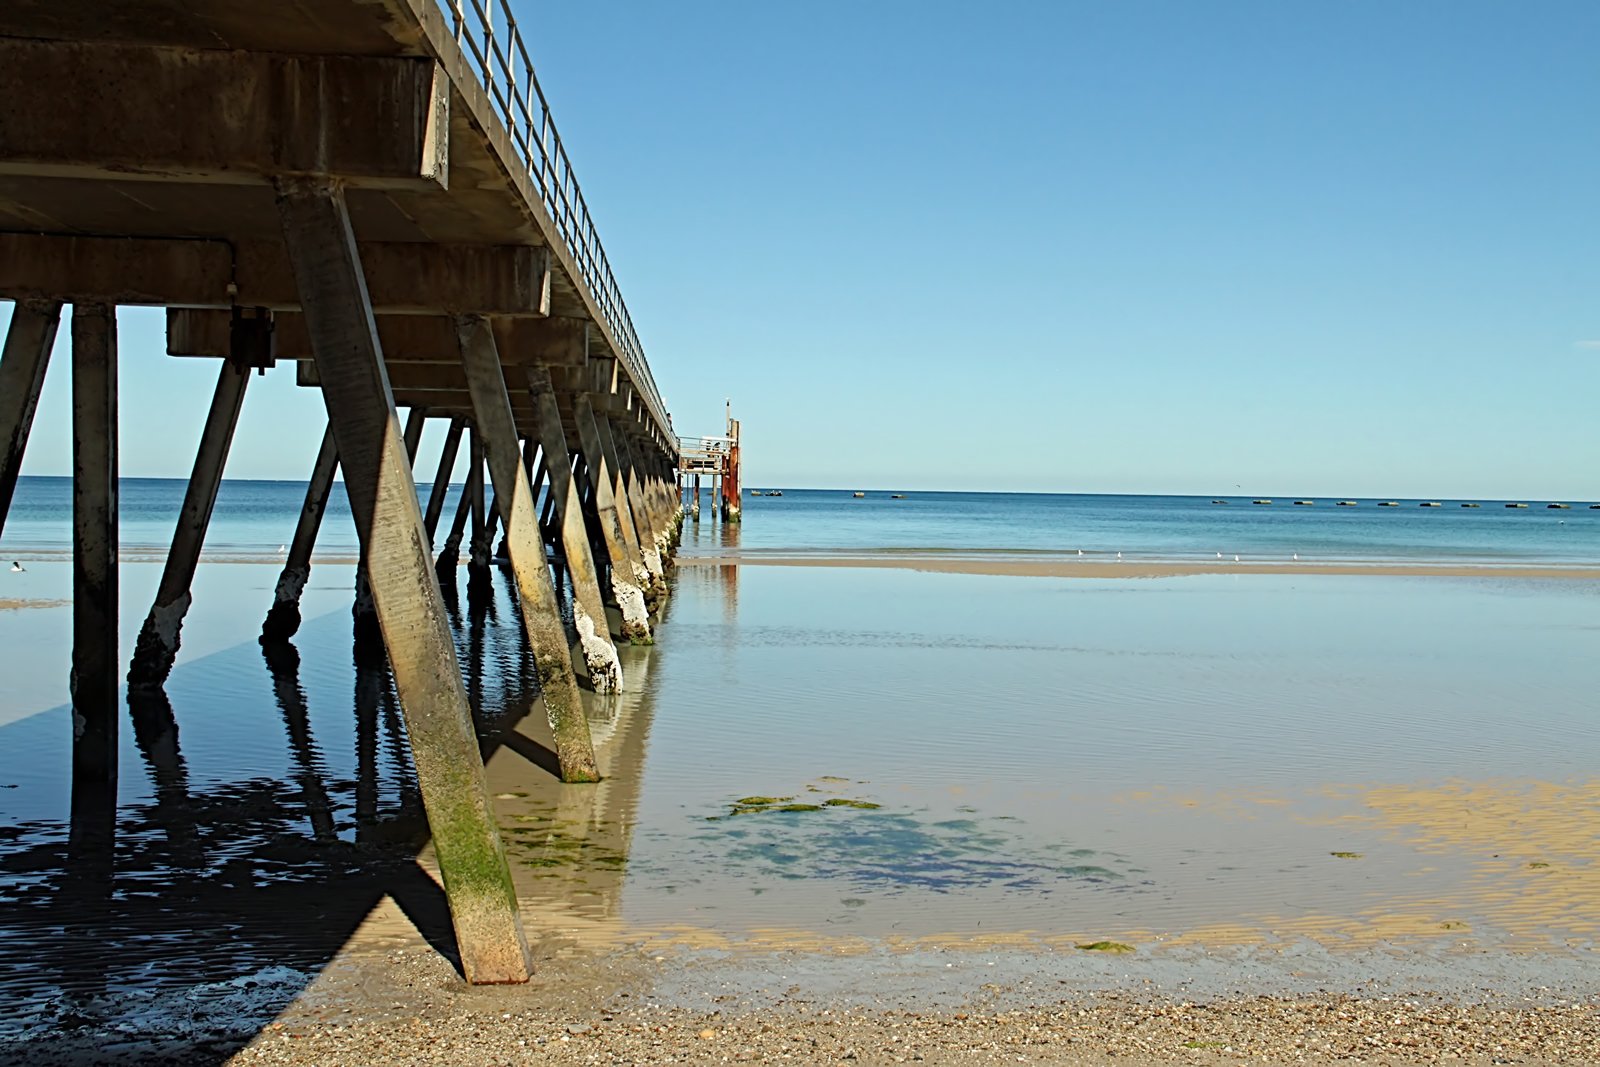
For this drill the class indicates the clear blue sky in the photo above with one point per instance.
(1346, 248)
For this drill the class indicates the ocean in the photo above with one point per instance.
(844, 758)
(254, 517)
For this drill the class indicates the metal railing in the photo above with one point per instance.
(494, 46)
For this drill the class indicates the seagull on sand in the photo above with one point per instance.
(1219, 555)
(1119, 557)
(17, 568)
(1236, 559)
(1297, 557)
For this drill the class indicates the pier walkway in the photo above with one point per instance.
(375, 190)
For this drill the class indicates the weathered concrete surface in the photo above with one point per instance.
(411, 610)
(157, 646)
(564, 494)
(514, 500)
(283, 618)
(22, 365)
(246, 115)
(630, 595)
(95, 706)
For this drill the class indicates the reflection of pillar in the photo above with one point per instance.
(284, 617)
(383, 499)
(155, 732)
(157, 647)
(283, 662)
(95, 706)
(27, 353)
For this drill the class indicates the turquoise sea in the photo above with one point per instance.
(254, 517)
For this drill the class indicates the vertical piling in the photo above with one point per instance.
(283, 619)
(95, 707)
(553, 655)
(565, 499)
(411, 612)
(157, 646)
(22, 364)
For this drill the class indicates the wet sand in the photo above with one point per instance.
(23, 604)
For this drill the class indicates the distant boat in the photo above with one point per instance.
(1260, 501)
(1305, 503)
(1388, 503)
(1430, 504)
(897, 496)
(1219, 501)
(775, 492)
(1347, 503)
(1472, 505)
(755, 492)
(1594, 507)
(1516, 505)
(858, 496)
(1563, 507)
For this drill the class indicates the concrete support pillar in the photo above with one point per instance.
(641, 547)
(629, 578)
(411, 611)
(95, 707)
(450, 555)
(479, 581)
(641, 489)
(644, 523)
(491, 406)
(694, 505)
(363, 611)
(27, 352)
(284, 617)
(441, 480)
(157, 646)
(568, 505)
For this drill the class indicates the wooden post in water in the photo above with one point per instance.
(22, 364)
(410, 608)
(564, 497)
(554, 657)
(157, 646)
(283, 619)
(95, 706)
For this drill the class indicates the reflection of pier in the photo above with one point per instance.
(378, 194)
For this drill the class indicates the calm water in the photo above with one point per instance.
(254, 517)
(1210, 759)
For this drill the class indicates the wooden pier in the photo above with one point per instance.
(374, 190)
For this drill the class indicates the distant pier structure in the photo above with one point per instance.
(375, 190)
(717, 458)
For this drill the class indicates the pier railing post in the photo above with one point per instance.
(22, 364)
(411, 611)
(491, 406)
(95, 674)
(158, 641)
(283, 619)
(568, 508)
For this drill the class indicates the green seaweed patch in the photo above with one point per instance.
(756, 809)
(1537, 865)
(1452, 924)
(1205, 1044)
(761, 802)
(841, 802)
(832, 778)
(1106, 946)
(1345, 855)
